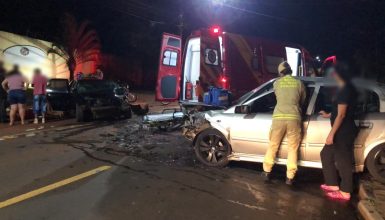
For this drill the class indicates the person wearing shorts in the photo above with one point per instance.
(39, 83)
(15, 84)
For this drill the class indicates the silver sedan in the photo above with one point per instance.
(241, 132)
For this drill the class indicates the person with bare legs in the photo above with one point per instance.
(15, 85)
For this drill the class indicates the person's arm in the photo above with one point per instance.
(342, 108)
(324, 114)
(4, 85)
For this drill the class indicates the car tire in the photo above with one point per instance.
(80, 113)
(212, 148)
(375, 162)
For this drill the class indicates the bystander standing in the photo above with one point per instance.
(15, 84)
(39, 83)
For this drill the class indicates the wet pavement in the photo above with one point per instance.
(154, 175)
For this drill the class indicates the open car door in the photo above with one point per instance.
(59, 96)
(170, 68)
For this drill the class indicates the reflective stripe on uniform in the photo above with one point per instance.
(288, 82)
(286, 116)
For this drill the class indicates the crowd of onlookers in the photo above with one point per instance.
(13, 92)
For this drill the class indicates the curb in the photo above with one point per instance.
(366, 206)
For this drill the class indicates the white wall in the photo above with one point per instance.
(29, 54)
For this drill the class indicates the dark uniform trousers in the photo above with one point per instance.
(339, 157)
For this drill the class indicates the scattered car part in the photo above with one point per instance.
(168, 120)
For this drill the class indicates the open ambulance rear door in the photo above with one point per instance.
(170, 68)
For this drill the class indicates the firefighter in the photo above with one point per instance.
(290, 93)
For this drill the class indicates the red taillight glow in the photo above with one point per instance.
(215, 30)
(224, 82)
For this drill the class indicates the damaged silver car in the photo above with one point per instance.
(241, 133)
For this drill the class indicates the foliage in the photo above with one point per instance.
(79, 44)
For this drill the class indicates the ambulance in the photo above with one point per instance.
(214, 58)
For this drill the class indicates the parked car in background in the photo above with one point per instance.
(59, 96)
(88, 99)
(241, 132)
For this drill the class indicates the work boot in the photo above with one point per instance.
(289, 182)
(266, 176)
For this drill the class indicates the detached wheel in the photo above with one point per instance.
(80, 113)
(212, 148)
(375, 163)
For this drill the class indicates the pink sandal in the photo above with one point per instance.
(327, 188)
(338, 196)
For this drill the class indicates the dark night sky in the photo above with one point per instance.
(348, 28)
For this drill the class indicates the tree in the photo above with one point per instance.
(79, 44)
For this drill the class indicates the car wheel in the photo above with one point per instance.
(375, 162)
(212, 148)
(79, 113)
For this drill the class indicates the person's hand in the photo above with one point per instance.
(330, 139)
(324, 114)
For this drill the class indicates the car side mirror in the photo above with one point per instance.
(242, 109)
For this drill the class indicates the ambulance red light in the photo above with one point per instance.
(224, 82)
(215, 30)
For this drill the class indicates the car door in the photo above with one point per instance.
(368, 119)
(319, 127)
(251, 134)
(170, 68)
(58, 95)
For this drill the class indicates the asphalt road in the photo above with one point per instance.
(152, 175)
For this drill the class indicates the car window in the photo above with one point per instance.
(367, 102)
(309, 94)
(58, 85)
(325, 99)
(264, 104)
(170, 58)
(255, 93)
